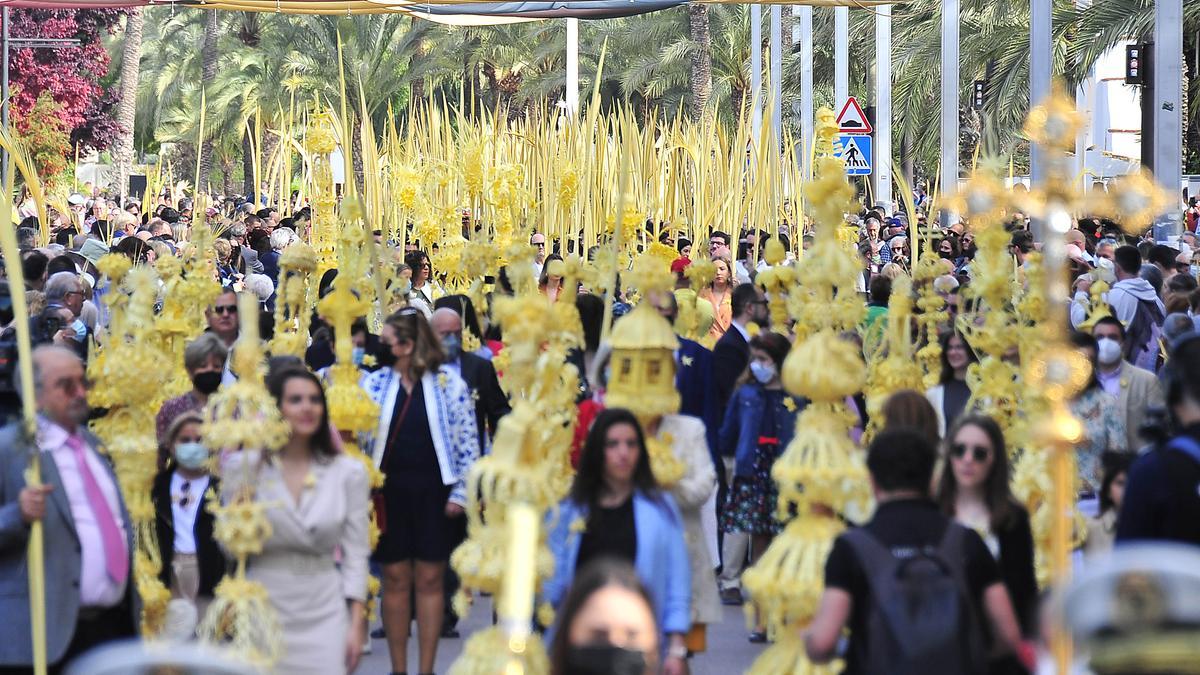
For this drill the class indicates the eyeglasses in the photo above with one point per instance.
(186, 499)
(225, 309)
(979, 453)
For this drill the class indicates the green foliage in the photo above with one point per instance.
(269, 61)
(47, 136)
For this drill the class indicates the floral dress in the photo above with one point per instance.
(1104, 430)
(752, 499)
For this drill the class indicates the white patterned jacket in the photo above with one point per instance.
(451, 413)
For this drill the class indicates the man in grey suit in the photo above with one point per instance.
(88, 538)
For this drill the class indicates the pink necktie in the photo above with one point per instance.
(116, 561)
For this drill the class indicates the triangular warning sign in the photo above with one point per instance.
(853, 155)
(852, 120)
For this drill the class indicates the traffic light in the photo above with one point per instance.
(977, 96)
(1135, 70)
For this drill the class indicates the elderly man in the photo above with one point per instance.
(223, 322)
(538, 243)
(490, 405)
(87, 534)
(64, 303)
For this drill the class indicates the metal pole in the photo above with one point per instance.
(806, 82)
(841, 56)
(776, 72)
(572, 96)
(756, 67)
(950, 95)
(1168, 108)
(1041, 61)
(883, 108)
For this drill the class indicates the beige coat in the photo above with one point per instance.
(1140, 389)
(690, 444)
(307, 589)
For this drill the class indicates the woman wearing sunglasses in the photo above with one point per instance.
(973, 489)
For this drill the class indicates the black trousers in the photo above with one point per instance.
(92, 629)
(458, 534)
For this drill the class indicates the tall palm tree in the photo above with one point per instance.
(701, 80)
(131, 59)
(210, 52)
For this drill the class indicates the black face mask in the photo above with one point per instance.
(604, 660)
(207, 382)
(384, 356)
(947, 255)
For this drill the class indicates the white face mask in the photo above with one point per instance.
(1109, 351)
(762, 373)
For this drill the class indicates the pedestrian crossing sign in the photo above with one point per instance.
(855, 151)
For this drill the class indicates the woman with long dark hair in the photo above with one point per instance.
(606, 624)
(951, 395)
(616, 510)
(425, 289)
(974, 490)
(316, 502)
(425, 445)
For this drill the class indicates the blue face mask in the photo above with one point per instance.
(453, 345)
(762, 373)
(191, 455)
(357, 354)
(80, 329)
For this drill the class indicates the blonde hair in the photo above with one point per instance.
(892, 271)
(733, 280)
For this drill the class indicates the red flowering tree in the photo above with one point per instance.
(71, 75)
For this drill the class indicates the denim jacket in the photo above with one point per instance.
(661, 564)
(742, 426)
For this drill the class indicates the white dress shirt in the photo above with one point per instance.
(185, 515)
(96, 589)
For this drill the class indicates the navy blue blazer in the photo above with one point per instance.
(697, 395)
(731, 355)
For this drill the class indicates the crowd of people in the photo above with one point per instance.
(641, 568)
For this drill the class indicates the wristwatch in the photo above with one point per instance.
(677, 652)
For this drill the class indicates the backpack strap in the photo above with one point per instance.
(872, 556)
(950, 550)
(1187, 445)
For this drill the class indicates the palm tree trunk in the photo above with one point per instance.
(701, 78)
(248, 161)
(131, 62)
(208, 72)
(227, 165)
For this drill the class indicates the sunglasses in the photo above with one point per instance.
(979, 453)
(225, 309)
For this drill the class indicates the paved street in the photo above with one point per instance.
(728, 650)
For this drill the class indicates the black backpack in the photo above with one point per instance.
(922, 619)
(1142, 334)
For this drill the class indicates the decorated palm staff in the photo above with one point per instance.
(33, 471)
(242, 417)
(822, 471)
(527, 471)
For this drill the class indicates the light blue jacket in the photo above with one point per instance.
(661, 563)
